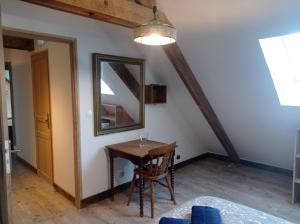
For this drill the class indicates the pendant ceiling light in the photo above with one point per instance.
(155, 32)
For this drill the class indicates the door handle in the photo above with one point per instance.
(48, 120)
(15, 150)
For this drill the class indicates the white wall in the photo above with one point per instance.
(62, 116)
(23, 103)
(220, 40)
(164, 122)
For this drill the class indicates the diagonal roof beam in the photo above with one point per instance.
(130, 14)
(187, 76)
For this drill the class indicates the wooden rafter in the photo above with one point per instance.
(146, 3)
(186, 74)
(18, 43)
(130, 14)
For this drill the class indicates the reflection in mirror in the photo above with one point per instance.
(120, 105)
(118, 93)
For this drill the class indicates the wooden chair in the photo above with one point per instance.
(157, 169)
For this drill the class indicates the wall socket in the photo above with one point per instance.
(122, 174)
(177, 157)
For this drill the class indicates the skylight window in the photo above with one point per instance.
(105, 89)
(282, 55)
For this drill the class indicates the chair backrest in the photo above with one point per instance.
(161, 159)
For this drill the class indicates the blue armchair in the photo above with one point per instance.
(200, 215)
(205, 215)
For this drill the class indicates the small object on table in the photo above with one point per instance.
(131, 150)
(143, 139)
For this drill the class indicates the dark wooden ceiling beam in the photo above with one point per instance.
(146, 3)
(187, 76)
(127, 77)
(121, 12)
(18, 43)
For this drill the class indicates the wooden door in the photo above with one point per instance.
(5, 187)
(42, 114)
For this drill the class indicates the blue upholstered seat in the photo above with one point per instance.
(165, 220)
(206, 215)
(200, 215)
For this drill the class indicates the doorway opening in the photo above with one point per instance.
(41, 85)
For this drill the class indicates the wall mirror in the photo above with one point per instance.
(118, 93)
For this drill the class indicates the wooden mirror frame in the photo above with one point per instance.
(97, 59)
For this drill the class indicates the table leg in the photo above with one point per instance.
(141, 188)
(172, 171)
(112, 187)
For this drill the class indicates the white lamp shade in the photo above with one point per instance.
(155, 33)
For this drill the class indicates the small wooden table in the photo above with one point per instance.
(139, 156)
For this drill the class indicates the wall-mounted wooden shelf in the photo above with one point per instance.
(296, 178)
(155, 94)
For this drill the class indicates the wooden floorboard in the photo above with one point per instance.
(35, 201)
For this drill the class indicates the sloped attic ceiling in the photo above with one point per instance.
(220, 40)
